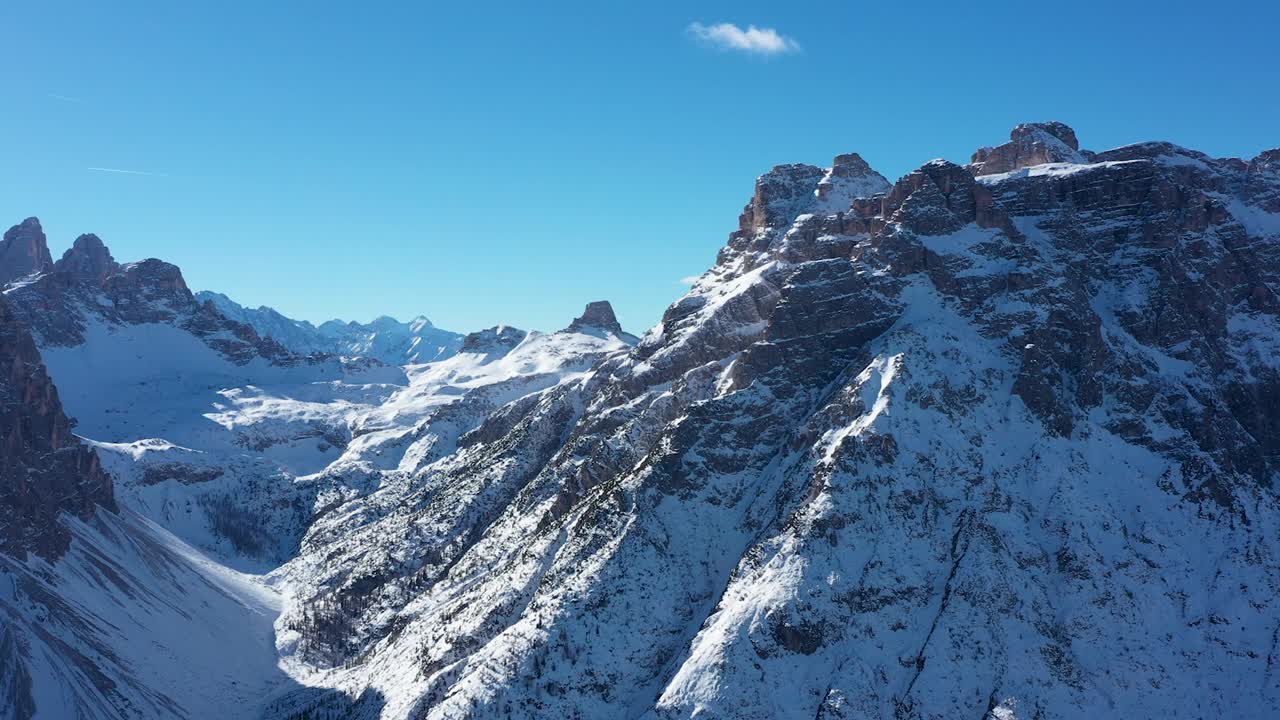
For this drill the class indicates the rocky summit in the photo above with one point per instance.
(23, 251)
(598, 317)
(88, 261)
(996, 440)
(87, 290)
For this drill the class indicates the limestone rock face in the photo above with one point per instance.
(995, 440)
(789, 191)
(599, 315)
(1262, 180)
(87, 261)
(849, 178)
(45, 470)
(23, 251)
(1030, 144)
(88, 285)
(780, 194)
(992, 441)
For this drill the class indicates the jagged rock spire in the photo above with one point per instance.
(598, 314)
(23, 251)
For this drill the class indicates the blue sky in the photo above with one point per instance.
(507, 162)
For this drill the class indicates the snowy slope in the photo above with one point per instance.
(994, 441)
(925, 456)
(221, 461)
(134, 623)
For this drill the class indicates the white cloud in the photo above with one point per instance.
(760, 41)
(689, 280)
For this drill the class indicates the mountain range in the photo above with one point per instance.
(385, 339)
(996, 440)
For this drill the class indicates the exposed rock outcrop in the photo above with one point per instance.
(23, 251)
(995, 437)
(1030, 144)
(88, 284)
(996, 440)
(597, 315)
(45, 470)
(87, 261)
(849, 178)
(497, 339)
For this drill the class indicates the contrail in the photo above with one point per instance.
(127, 172)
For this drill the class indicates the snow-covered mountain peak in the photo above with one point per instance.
(888, 463)
(850, 177)
(87, 288)
(384, 322)
(498, 339)
(385, 338)
(980, 444)
(780, 195)
(1030, 144)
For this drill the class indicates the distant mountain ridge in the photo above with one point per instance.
(385, 338)
(87, 289)
(182, 451)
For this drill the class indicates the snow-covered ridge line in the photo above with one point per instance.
(994, 440)
(1050, 170)
(385, 338)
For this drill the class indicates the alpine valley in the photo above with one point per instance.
(997, 440)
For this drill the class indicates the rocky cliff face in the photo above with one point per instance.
(599, 315)
(44, 469)
(1030, 144)
(23, 251)
(598, 318)
(997, 441)
(88, 261)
